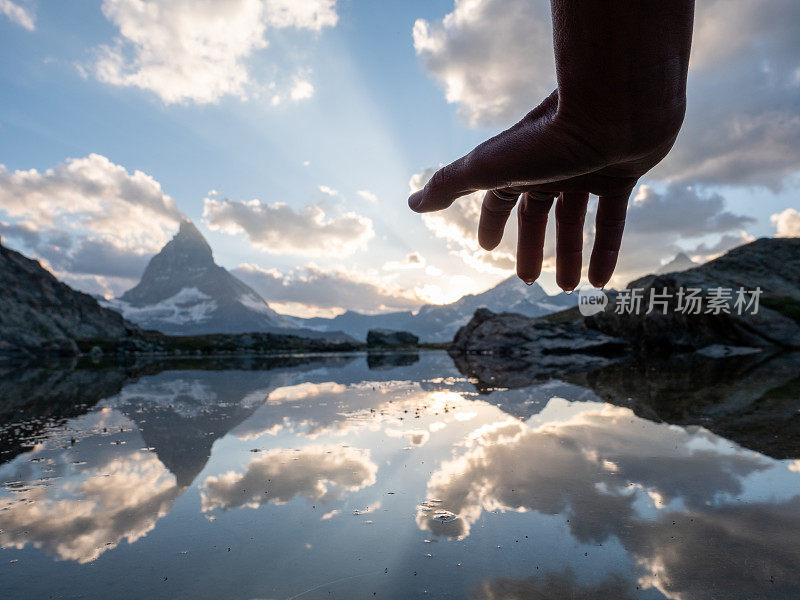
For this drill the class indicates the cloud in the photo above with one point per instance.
(282, 474)
(96, 256)
(704, 252)
(682, 211)
(302, 89)
(91, 194)
(186, 51)
(551, 585)
(327, 190)
(313, 286)
(280, 229)
(661, 224)
(787, 222)
(21, 15)
(367, 195)
(413, 260)
(87, 216)
(494, 58)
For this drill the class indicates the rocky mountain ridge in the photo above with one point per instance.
(41, 315)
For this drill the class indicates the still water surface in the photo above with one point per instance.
(350, 478)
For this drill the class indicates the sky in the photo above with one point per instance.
(292, 131)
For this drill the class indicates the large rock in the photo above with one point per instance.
(772, 264)
(505, 349)
(389, 337)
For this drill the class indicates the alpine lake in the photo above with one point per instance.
(399, 476)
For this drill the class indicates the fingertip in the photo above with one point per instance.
(529, 277)
(489, 240)
(568, 279)
(601, 267)
(599, 278)
(415, 201)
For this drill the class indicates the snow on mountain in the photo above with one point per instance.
(189, 305)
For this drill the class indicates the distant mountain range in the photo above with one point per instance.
(439, 323)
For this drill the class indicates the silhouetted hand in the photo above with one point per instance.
(621, 69)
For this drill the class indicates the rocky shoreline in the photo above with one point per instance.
(770, 265)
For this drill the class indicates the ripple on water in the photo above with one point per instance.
(444, 516)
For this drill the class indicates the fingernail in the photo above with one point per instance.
(415, 200)
(529, 283)
(569, 292)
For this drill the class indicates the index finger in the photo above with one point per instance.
(539, 149)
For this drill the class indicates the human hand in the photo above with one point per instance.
(621, 69)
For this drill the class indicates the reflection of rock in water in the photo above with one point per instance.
(508, 350)
(752, 400)
(32, 399)
(489, 372)
(184, 444)
(378, 361)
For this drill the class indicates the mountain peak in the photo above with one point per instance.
(183, 259)
(184, 291)
(681, 262)
(188, 229)
(190, 244)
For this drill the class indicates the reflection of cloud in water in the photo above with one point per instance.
(331, 409)
(559, 586)
(415, 437)
(591, 467)
(79, 518)
(667, 494)
(736, 551)
(303, 391)
(280, 475)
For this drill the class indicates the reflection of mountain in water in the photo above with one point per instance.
(182, 413)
